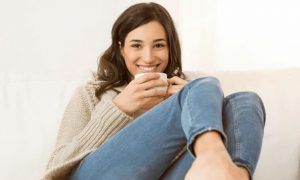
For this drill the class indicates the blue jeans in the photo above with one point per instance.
(144, 149)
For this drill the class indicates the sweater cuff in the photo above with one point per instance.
(106, 120)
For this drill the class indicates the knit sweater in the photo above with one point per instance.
(86, 124)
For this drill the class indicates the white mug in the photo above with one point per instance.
(163, 76)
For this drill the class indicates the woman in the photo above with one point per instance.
(117, 127)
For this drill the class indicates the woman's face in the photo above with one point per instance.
(146, 49)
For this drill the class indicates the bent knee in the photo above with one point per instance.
(206, 80)
(247, 99)
(206, 84)
(245, 96)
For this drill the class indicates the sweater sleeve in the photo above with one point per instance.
(82, 130)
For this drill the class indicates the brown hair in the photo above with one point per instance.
(112, 68)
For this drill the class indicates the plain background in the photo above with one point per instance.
(69, 35)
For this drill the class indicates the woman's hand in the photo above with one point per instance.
(175, 85)
(139, 94)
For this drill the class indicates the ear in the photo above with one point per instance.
(121, 48)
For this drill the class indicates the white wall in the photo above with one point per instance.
(240, 35)
(58, 36)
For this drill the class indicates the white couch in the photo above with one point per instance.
(31, 107)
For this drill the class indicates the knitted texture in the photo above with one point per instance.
(86, 124)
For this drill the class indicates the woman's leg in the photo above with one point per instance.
(243, 119)
(179, 168)
(145, 148)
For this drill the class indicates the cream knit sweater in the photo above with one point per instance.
(86, 124)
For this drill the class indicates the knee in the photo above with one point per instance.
(247, 100)
(250, 98)
(205, 81)
(206, 85)
(209, 80)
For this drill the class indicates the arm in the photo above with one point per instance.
(83, 130)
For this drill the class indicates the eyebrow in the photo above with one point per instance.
(156, 40)
(140, 41)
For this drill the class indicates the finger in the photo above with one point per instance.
(146, 77)
(174, 89)
(176, 80)
(153, 83)
(153, 93)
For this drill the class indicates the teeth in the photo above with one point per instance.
(148, 69)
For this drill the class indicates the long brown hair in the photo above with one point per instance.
(112, 68)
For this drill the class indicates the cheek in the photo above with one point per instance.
(130, 57)
(165, 57)
(131, 60)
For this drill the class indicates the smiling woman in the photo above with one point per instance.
(146, 49)
(121, 127)
(145, 28)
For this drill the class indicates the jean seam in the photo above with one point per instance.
(236, 130)
(236, 136)
(261, 108)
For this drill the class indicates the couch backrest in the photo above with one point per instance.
(31, 107)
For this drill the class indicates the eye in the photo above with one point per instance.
(138, 46)
(159, 45)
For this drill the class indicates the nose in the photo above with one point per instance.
(148, 55)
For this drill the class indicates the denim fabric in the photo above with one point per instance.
(243, 121)
(144, 149)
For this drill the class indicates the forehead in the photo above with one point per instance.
(150, 31)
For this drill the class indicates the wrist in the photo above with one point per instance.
(119, 105)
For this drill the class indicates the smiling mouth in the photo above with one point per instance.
(148, 68)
